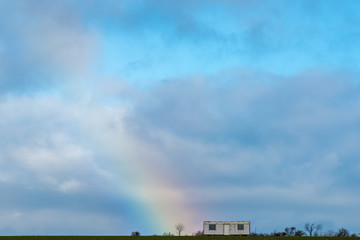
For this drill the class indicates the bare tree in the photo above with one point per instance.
(179, 228)
(289, 231)
(312, 228)
(318, 227)
(299, 233)
(330, 233)
(343, 233)
(309, 228)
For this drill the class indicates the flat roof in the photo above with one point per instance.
(226, 222)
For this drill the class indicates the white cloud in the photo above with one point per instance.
(183, 147)
(286, 142)
(58, 222)
(55, 46)
(17, 215)
(263, 149)
(39, 144)
(70, 185)
(5, 177)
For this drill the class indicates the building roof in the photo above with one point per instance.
(227, 222)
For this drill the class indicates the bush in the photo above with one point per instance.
(137, 233)
(343, 233)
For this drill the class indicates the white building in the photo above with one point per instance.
(226, 228)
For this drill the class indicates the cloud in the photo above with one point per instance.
(57, 222)
(82, 135)
(54, 163)
(70, 185)
(215, 35)
(43, 141)
(232, 139)
(41, 45)
(50, 173)
(46, 44)
(290, 139)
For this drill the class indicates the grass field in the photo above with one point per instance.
(170, 238)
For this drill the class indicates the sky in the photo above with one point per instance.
(135, 115)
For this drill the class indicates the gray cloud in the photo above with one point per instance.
(244, 140)
(41, 44)
(284, 146)
(235, 139)
(50, 172)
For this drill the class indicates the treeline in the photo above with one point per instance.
(310, 229)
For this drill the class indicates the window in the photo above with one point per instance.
(212, 226)
(240, 226)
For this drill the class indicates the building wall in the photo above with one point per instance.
(233, 228)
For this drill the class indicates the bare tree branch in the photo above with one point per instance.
(179, 228)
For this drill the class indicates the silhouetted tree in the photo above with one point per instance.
(137, 233)
(330, 233)
(299, 233)
(343, 233)
(286, 232)
(318, 227)
(290, 231)
(179, 228)
(199, 233)
(312, 228)
(277, 234)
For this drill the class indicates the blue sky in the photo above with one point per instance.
(134, 115)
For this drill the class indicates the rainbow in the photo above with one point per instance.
(145, 175)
